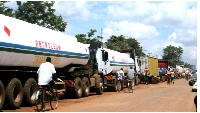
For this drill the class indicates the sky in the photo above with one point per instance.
(154, 24)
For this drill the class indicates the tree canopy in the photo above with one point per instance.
(89, 39)
(40, 13)
(172, 54)
(6, 10)
(121, 44)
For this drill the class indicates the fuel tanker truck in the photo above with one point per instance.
(79, 67)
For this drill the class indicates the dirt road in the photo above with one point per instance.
(146, 98)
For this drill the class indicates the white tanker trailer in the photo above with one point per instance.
(24, 46)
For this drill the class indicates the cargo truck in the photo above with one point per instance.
(163, 68)
(149, 66)
(80, 67)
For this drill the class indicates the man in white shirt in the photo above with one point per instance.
(187, 74)
(45, 72)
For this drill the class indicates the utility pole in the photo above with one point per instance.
(101, 39)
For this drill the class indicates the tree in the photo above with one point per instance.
(119, 43)
(172, 54)
(40, 13)
(83, 39)
(5, 10)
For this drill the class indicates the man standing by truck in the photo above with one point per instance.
(130, 76)
(120, 78)
(45, 72)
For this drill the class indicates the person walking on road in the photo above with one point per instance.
(146, 78)
(120, 78)
(172, 76)
(187, 74)
(168, 76)
(130, 75)
(45, 76)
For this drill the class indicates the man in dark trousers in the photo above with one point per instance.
(168, 76)
(120, 77)
(130, 75)
(146, 78)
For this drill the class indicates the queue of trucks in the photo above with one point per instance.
(79, 67)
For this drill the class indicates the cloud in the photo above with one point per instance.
(173, 36)
(73, 10)
(188, 37)
(181, 16)
(130, 29)
(171, 14)
(156, 48)
(190, 54)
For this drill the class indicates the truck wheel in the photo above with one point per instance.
(137, 80)
(14, 93)
(157, 80)
(30, 89)
(152, 80)
(99, 90)
(115, 86)
(78, 88)
(163, 78)
(86, 86)
(2, 95)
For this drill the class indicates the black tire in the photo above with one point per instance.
(153, 80)
(54, 100)
(157, 80)
(14, 93)
(99, 90)
(137, 80)
(30, 89)
(195, 102)
(191, 83)
(86, 87)
(139, 77)
(115, 86)
(39, 103)
(78, 88)
(2, 95)
(162, 78)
